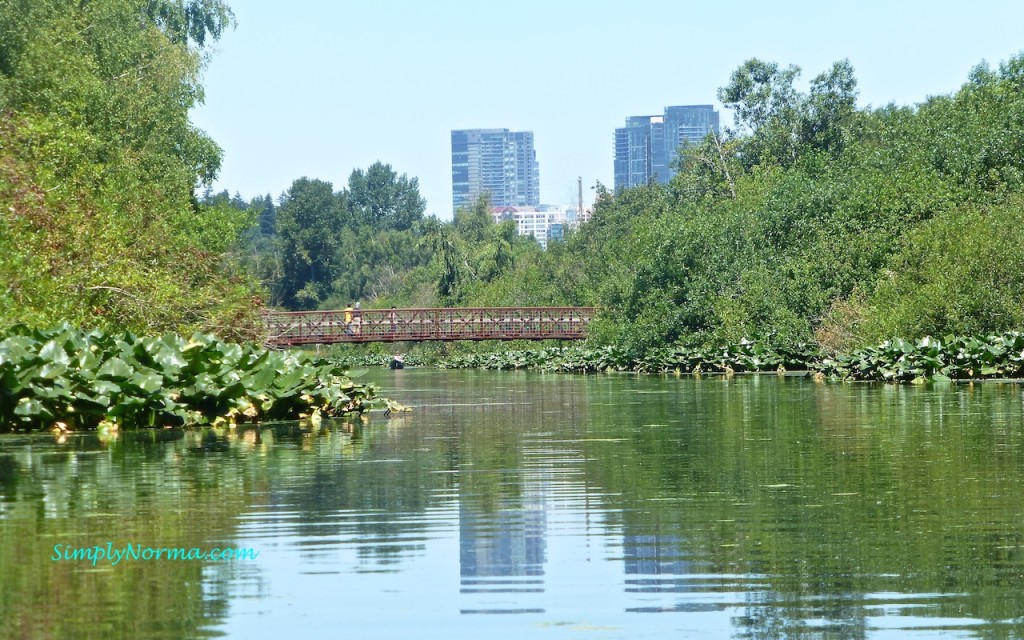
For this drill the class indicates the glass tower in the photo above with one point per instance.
(498, 162)
(646, 149)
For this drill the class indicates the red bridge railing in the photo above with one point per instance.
(395, 325)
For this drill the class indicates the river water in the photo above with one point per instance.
(525, 505)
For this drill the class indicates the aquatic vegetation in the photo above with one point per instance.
(74, 379)
(745, 356)
(954, 358)
(928, 359)
(561, 359)
(375, 360)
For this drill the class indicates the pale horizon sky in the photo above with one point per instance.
(317, 88)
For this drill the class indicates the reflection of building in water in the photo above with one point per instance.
(655, 554)
(508, 542)
(502, 555)
(663, 572)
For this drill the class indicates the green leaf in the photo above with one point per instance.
(50, 371)
(30, 408)
(115, 368)
(149, 382)
(54, 353)
(105, 387)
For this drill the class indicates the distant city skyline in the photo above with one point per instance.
(316, 89)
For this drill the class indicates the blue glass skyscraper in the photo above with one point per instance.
(647, 147)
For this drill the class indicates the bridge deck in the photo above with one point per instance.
(417, 325)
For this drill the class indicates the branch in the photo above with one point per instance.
(725, 168)
(116, 290)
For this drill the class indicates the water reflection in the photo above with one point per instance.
(509, 542)
(502, 551)
(604, 506)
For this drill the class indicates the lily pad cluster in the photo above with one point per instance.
(83, 379)
(953, 358)
(927, 359)
(375, 360)
(566, 360)
(745, 356)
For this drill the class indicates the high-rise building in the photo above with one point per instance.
(498, 162)
(647, 147)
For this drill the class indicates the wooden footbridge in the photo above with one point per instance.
(288, 328)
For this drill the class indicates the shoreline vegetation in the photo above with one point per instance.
(66, 379)
(992, 357)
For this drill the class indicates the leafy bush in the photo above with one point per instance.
(961, 273)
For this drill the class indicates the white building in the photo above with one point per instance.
(544, 223)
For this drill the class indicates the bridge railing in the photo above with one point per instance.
(397, 325)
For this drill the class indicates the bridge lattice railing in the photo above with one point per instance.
(397, 325)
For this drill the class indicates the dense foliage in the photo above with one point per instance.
(862, 226)
(320, 248)
(84, 380)
(811, 222)
(98, 163)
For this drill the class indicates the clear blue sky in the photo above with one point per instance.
(317, 88)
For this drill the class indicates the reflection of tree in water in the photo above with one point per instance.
(807, 499)
(839, 610)
(85, 494)
(351, 485)
(770, 614)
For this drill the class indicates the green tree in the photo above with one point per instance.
(194, 20)
(783, 122)
(266, 214)
(310, 221)
(382, 199)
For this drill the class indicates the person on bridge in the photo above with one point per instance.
(348, 319)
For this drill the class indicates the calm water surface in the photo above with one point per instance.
(517, 505)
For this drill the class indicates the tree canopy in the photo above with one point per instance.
(99, 163)
(382, 199)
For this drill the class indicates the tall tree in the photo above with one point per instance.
(829, 108)
(266, 213)
(310, 221)
(382, 199)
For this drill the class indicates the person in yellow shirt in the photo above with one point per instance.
(348, 319)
